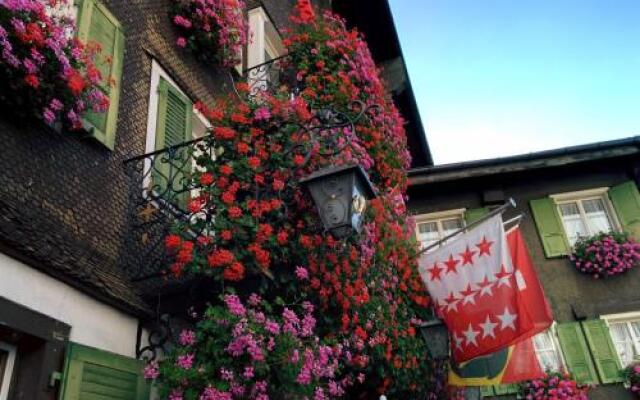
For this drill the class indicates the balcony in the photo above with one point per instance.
(161, 184)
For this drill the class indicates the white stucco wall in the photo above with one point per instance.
(92, 323)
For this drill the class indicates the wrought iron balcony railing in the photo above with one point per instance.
(272, 75)
(160, 186)
(161, 182)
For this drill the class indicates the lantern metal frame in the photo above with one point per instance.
(436, 337)
(340, 194)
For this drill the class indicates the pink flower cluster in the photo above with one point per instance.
(554, 386)
(255, 339)
(212, 29)
(631, 375)
(606, 254)
(43, 65)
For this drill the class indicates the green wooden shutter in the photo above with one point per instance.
(603, 351)
(506, 389)
(550, 229)
(486, 391)
(626, 200)
(92, 374)
(97, 24)
(173, 128)
(475, 214)
(576, 353)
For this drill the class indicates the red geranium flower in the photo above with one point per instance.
(32, 81)
(254, 162)
(172, 243)
(235, 272)
(206, 179)
(235, 212)
(76, 83)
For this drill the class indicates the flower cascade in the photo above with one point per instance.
(606, 254)
(268, 234)
(212, 29)
(240, 350)
(44, 68)
(631, 375)
(553, 386)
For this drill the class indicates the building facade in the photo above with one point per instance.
(77, 302)
(563, 194)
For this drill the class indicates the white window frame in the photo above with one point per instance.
(263, 37)
(438, 217)
(158, 72)
(556, 347)
(578, 197)
(8, 371)
(626, 318)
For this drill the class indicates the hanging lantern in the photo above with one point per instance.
(340, 195)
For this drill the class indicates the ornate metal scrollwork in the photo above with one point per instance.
(158, 339)
(161, 181)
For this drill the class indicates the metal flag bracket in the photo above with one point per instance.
(511, 203)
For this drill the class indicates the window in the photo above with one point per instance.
(96, 24)
(584, 213)
(547, 350)
(431, 228)
(625, 333)
(172, 120)
(265, 44)
(562, 218)
(7, 361)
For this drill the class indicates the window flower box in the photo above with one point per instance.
(44, 69)
(605, 254)
(214, 30)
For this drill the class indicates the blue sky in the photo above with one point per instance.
(500, 77)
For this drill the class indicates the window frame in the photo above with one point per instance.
(157, 72)
(551, 331)
(578, 197)
(438, 217)
(263, 37)
(8, 369)
(76, 11)
(627, 319)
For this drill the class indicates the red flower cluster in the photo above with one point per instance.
(264, 223)
(46, 69)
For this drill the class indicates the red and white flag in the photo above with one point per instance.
(477, 291)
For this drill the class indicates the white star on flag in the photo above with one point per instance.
(504, 278)
(507, 319)
(458, 341)
(488, 328)
(470, 336)
(468, 296)
(485, 287)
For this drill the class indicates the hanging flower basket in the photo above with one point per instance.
(606, 254)
(214, 30)
(43, 68)
(631, 375)
(554, 385)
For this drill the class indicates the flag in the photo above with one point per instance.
(513, 364)
(519, 362)
(475, 290)
(528, 283)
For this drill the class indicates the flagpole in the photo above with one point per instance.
(509, 204)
